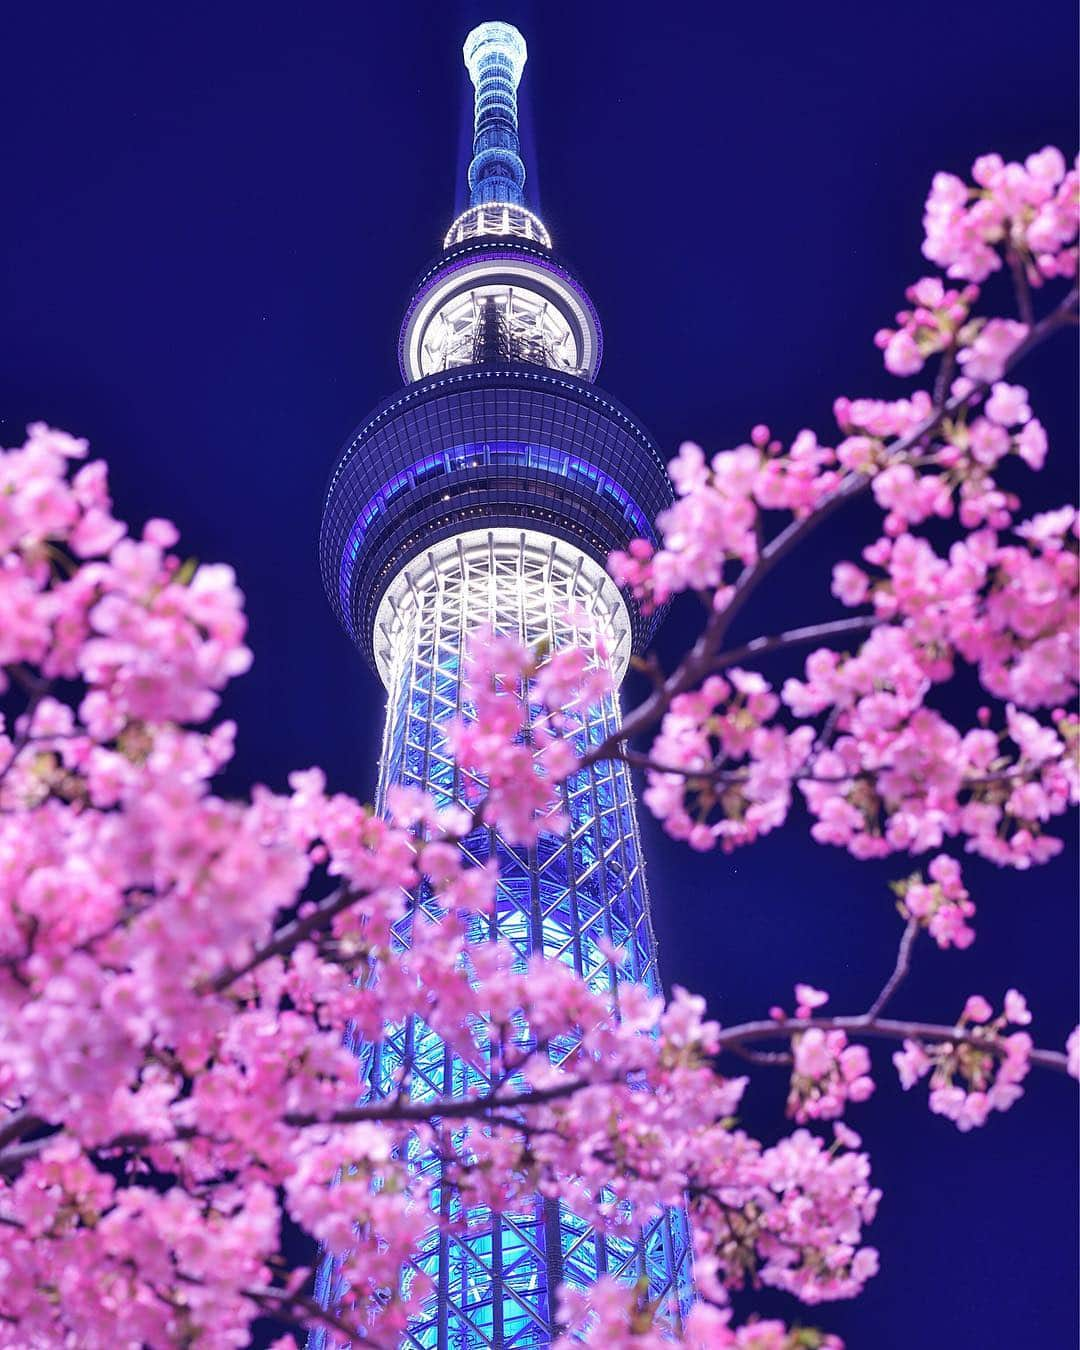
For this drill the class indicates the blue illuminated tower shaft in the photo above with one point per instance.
(488, 493)
(496, 1281)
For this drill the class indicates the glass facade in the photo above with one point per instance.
(493, 446)
(496, 1276)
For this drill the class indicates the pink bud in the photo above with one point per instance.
(976, 1009)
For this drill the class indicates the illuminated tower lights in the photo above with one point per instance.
(488, 493)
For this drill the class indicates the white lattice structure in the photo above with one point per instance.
(500, 219)
(519, 582)
(496, 1282)
(535, 327)
(546, 315)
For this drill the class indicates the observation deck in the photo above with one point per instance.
(513, 445)
(499, 425)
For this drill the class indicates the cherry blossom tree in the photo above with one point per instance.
(182, 976)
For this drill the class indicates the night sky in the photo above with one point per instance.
(214, 213)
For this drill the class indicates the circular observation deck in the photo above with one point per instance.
(512, 446)
(544, 308)
(497, 218)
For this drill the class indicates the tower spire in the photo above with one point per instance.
(495, 55)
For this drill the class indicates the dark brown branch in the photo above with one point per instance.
(900, 970)
(301, 1311)
(739, 773)
(1020, 285)
(285, 939)
(382, 1111)
(944, 375)
(795, 637)
(649, 666)
(884, 1028)
(18, 1125)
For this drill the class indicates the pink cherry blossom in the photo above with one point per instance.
(1029, 208)
(1073, 1049)
(1008, 405)
(976, 1009)
(827, 1074)
(927, 328)
(807, 998)
(984, 359)
(185, 978)
(912, 1063)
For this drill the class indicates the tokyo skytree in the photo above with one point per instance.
(487, 494)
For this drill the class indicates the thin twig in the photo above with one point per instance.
(900, 970)
(285, 939)
(795, 637)
(1020, 286)
(717, 772)
(301, 1311)
(944, 375)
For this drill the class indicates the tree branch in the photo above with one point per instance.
(380, 1111)
(796, 637)
(900, 970)
(285, 939)
(301, 1311)
(705, 653)
(883, 1028)
(18, 1125)
(1020, 286)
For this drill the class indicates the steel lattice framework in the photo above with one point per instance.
(488, 494)
(496, 1281)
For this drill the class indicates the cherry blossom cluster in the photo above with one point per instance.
(617, 1316)
(828, 1073)
(976, 1074)
(894, 772)
(1029, 210)
(1006, 607)
(958, 477)
(929, 327)
(880, 769)
(160, 1013)
(890, 774)
(941, 905)
(517, 737)
(184, 979)
(714, 520)
(789, 1216)
(727, 721)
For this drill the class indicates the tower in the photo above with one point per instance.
(489, 492)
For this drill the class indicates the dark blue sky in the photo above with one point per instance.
(213, 215)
